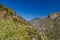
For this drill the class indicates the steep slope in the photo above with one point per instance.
(55, 32)
(50, 26)
(14, 27)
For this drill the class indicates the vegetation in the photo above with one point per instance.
(14, 27)
(11, 29)
(16, 31)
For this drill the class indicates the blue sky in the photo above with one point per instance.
(30, 9)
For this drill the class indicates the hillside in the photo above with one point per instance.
(49, 25)
(14, 27)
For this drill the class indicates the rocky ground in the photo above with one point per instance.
(49, 25)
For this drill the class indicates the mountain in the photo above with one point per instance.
(49, 25)
(14, 27)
